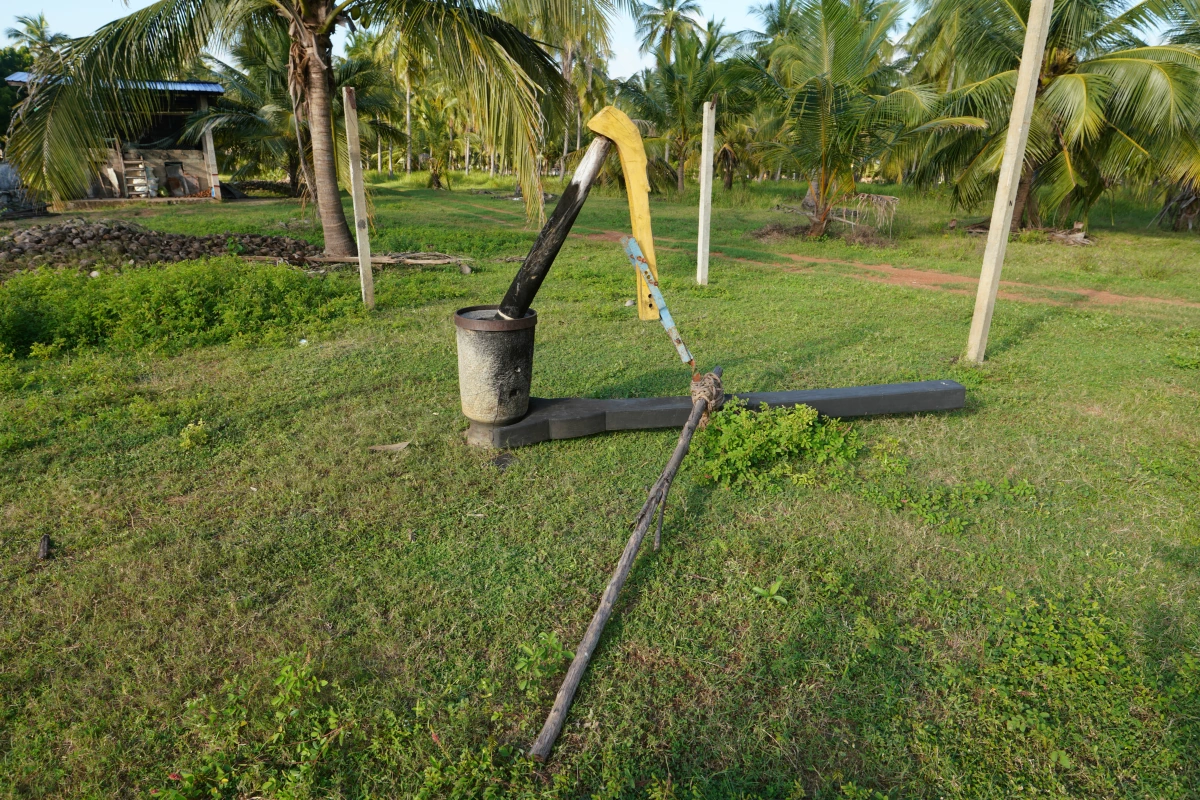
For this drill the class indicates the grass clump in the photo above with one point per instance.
(178, 306)
(742, 448)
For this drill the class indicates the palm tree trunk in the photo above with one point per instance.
(679, 167)
(1022, 199)
(391, 173)
(320, 124)
(567, 69)
(310, 183)
(407, 125)
(728, 181)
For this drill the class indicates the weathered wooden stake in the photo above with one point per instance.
(706, 176)
(210, 157)
(1010, 175)
(358, 192)
(540, 750)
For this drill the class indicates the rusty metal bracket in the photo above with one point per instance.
(634, 252)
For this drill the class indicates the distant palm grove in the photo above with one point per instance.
(829, 92)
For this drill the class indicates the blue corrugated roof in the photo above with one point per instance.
(162, 86)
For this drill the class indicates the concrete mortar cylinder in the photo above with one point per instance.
(495, 364)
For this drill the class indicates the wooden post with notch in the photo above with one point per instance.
(1036, 30)
(358, 192)
(706, 176)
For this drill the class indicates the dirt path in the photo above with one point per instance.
(1009, 290)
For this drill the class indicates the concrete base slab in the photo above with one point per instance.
(571, 417)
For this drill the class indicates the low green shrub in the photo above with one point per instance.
(742, 448)
(170, 308)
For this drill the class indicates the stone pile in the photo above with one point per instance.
(87, 245)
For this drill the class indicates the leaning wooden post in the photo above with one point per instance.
(1010, 175)
(210, 156)
(706, 176)
(701, 404)
(354, 152)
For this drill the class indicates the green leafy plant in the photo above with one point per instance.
(233, 246)
(536, 661)
(771, 593)
(744, 448)
(45, 313)
(193, 436)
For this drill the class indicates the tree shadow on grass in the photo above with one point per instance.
(1011, 338)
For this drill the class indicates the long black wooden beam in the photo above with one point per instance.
(550, 240)
(568, 418)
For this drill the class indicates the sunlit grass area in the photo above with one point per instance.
(998, 601)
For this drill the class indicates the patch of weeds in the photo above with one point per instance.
(193, 436)
(884, 481)
(10, 373)
(1184, 360)
(1049, 705)
(1168, 468)
(44, 314)
(949, 509)
(748, 449)
(1030, 237)
(539, 660)
(311, 741)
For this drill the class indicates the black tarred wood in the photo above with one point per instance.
(541, 256)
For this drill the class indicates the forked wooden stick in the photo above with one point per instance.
(540, 750)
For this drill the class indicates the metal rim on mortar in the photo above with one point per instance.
(467, 323)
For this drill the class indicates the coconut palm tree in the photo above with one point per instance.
(668, 100)
(253, 123)
(35, 35)
(499, 71)
(661, 22)
(1109, 108)
(831, 81)
(778, 19)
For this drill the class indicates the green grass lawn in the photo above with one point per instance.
(1001, 601)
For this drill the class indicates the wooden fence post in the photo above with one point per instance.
(1010, 175)
(706, 176)
(354, 152)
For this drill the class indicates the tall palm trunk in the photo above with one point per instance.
(407, 125)
(567, 68)
(679, 167)
(320, 126)
(1025, 204)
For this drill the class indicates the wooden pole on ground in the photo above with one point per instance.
(540, 750)
(358, 192)
(1036, 30)
(706, 176)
